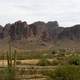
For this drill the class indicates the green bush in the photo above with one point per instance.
(69, 72)
(74, 59)
(9, 73)
(44, 62)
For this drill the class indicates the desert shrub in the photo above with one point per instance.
(9, 73)
(61, 53)
(53, 52)
(55, 62)
(2, 74)
(22, 71)
(18, 62)
(62, 50)
(74, 59)
(44, 62)
(69, 72)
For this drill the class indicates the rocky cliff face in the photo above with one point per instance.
(1, 32)
(54, 29)
(40, 30)
(71, 33)
(16, 30)
(44, 31)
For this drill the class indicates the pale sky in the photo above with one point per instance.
(66, 12)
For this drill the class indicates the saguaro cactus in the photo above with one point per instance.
(11, 63)
(14, 59)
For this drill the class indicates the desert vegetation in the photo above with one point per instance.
(40, 65)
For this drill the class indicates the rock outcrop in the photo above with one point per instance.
(71, 33)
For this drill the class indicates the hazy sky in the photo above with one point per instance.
(66, 12)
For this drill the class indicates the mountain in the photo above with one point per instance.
(40, 33)
(50, 30)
